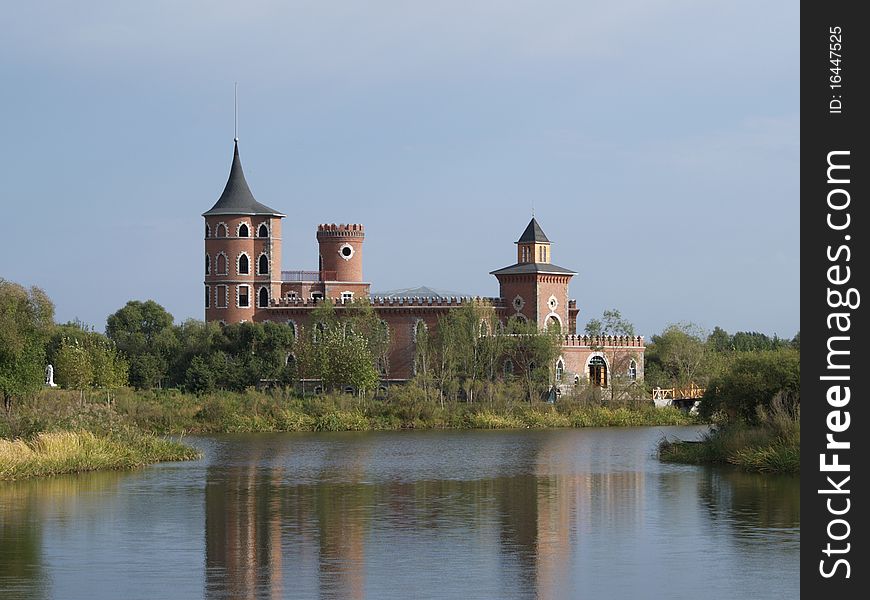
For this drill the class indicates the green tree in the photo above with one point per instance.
(75, 369)
(752, 380)
(621, 383)
(143, 332)
(683, 352)
(339, 352)
(533, 353)
(26, 317)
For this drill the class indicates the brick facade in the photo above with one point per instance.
(534, 288)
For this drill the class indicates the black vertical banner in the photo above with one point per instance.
(834, 227)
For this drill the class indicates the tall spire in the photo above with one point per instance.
(237, 198)
(236, 112)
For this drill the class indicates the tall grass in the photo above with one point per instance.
(404, 407)
(772, 445)
(78, 451)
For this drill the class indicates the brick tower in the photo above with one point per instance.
(242, 252)
(534, 288)
(341, 258)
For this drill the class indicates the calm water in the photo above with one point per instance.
(586, 513)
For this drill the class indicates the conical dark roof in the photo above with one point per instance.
(237, 198)
(533, 233)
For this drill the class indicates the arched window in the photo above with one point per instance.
(292, 325)
(508, 368)
(221, 264)
(560, 370)
(318, 389)
(317, 332)
(483, 329)
(632, 370)
(553, 324)
(576, 380)
(263, 265)
(263, 230)
(207, 230)
(384, 331)
(598, 371)
(207, 264)
(243, 230)
(221, 230)
(263, 297)
(421, 332)
(349, 389)
(244, 264)
(207, 296)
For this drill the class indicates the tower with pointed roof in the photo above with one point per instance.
(535, 289)
(242, 252)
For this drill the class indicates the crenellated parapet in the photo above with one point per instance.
(603, 341)
(437, 301)
(342, 230)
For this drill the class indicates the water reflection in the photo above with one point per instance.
(24, 506)
(540, 514)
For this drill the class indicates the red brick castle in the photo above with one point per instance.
(244, 282)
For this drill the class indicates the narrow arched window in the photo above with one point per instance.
(560, 370)
(263, 297)
(221, 231)
(553, 325)
(263, 265)
(263, 230)
(508, 367)
(243, 231)
(632, 370)
(207, 265)
(207, 230)
(244, 267)
(221, 264)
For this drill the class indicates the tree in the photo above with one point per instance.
(613, 324)
(26, 317)
(140, 330)
(532, 352)
(110, 369)
(682, 351)
(74, 367)
(339, 352)
(752, 380)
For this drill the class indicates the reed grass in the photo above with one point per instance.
(771, 445)
(55, 453)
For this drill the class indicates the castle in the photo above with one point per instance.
(244, 282)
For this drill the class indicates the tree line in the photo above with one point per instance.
(469, 356)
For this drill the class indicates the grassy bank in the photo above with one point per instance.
(172, 412)
(61, 452)
(770, 445)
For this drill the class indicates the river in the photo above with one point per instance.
(561, 513)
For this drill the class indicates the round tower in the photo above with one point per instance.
(341, 252)
(242, 253)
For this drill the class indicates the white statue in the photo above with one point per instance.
(49, 376)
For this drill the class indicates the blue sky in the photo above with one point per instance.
(658, 142)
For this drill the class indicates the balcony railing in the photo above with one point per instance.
(307, 275)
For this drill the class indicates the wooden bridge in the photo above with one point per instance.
(686, 398)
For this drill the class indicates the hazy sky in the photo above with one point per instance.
(658, 142)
